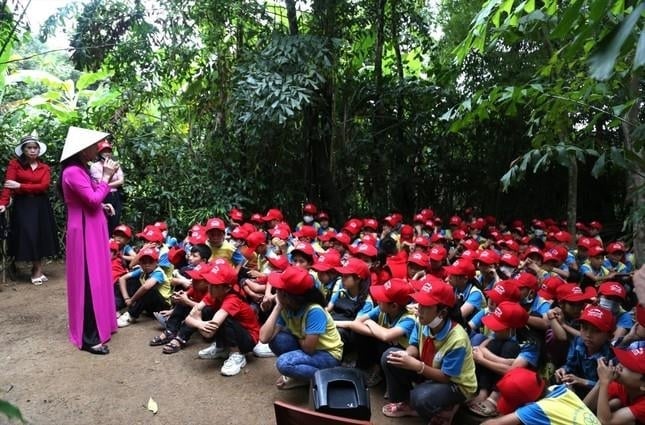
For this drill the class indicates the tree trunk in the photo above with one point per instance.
(378, 176)
(292, 17)
(635, 179)
(572, 198)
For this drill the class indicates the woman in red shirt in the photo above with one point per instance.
(33, 229)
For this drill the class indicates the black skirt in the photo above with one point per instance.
(33, 228)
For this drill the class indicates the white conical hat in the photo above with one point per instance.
(78, 139)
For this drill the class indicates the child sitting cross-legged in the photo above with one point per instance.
(223, 315)
(299, 330)
(146, 288)
(183, 301)
(438, 360)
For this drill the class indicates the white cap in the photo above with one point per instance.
(78, 139)
(31, 138)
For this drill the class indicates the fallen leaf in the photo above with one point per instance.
(152, 406)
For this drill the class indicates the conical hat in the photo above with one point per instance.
(78, 139)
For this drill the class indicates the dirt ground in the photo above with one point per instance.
(52, 382)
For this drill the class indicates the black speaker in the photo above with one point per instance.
(341, 391)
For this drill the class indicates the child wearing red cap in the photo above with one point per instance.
(122, 234)
(146, 288)
(592, 270)
(461, 275)
(510, 346)
(438, 359)
(611, 295)
(525, 400)
(223, 315)
(596, 328)
(299, 330)
(388, 325)
(183, 302)
(350, 299)
(221, 248)
(619, 395)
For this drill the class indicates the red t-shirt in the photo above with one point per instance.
(637, 406)
(195, 295)
(239, 310)
(118, 269)
(32, 182)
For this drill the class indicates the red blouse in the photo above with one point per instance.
(32, 181)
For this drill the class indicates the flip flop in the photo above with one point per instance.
(37, 281)
(398, 410)
(484, 408)
(287, 383)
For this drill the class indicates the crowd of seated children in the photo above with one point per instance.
(405, 303)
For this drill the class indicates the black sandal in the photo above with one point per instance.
(171, 348)
(162, 340)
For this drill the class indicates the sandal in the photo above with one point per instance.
(37, 281)
(161, 340)
(287, 383)
(486, 408)
(398, 410)
(172, 347)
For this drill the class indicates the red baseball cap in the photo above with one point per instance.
(236, 215)
(273, 214)
(488, 256)
(511, 245)
(599, 317)
(562, 236)
(162, 225)
(429, 224)
(104, 144)
(471, 244)
(615, 247)
(612, 289)
(407, 233)
(327, 261)
(455, 220)
(221, 273)
(510, 259)
(437, 237)
(280, 232)
(549, 287)
(306, 232)
(469, 255)
(570, 292)
(632, 358)
(364, 249)
(596, 251)
(507, 315)
(370, 223)
(293, 280)
(215, 223)
(438, 253)
(176, 255)
(561, 252)
(327, 236)
(458, 235)
(255, 239)
(199, 271)
(419, 218)
(427, 213)
(323, 216)
(310, 209)
(422, 241)
(150, 253)
(585, 242)
(461, 267)
(151, 234)
(526, 280)
(419, 258)
(435, 292)
(239, 233)
(394, 290)
(549, 256)
(504, 290)
(519, 386)
(596, 225)
(353, 226)
(356, 267)
(342, 238)
(256, 218)
(126, 230)
(533, 250)
(196, 237)
(304, 248)
(279, 262)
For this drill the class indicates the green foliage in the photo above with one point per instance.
(11, 411)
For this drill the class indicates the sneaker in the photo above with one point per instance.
(262, 350)
(234, 364)
(213, 352)
(125, 320)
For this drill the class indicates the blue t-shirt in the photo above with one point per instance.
(585, 365)
(540, 306)
(157, 274)
(625, 319)
(560, 406)
(368, 305)
(315, 321)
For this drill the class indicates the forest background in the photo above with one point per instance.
(519, 108)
